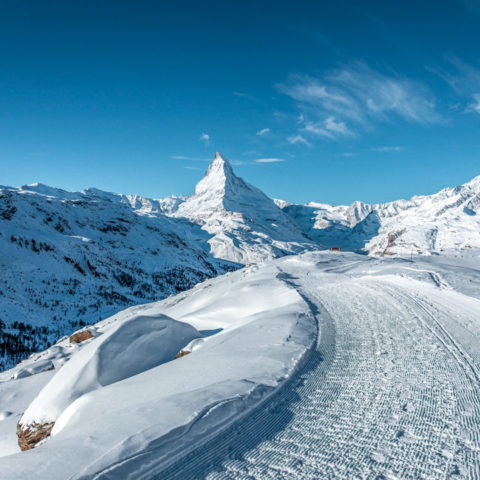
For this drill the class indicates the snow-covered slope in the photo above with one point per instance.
(432, 223)
(449, 219)
(246, 225)
(387, 389)
(68, 259)
(121, 394)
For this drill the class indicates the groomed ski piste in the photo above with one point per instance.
(320, 365)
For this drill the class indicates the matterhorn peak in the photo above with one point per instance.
(218, 178)
(221, 189)
(219, 165)
(219, 157)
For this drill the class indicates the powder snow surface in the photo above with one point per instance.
(390, 386)
(121, 392)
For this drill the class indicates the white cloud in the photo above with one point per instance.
(329, 127)
(388, 149)
(205, 137)
(192, 168)
(263, 132)
(475, 106)
(343, 101)
(243, 95)
(269, 160)
(298, 139)
(464, 80)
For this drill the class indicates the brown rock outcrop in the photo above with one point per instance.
(182, 353)
(28, 437)
(80, 337)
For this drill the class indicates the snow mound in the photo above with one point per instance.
(118, 397)
(136, 345)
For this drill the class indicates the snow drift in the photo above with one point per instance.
(135, 345)
(121, 394)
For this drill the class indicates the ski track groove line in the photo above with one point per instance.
(386, 393)
(383, 404)
(269, 402)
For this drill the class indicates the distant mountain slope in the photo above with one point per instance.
(72, 258)
(246, 225)
(432, 223)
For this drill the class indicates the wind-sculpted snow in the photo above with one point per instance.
(391, 388)
(122, 351)
(121, 394)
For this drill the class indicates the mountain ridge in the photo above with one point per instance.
(71, 258)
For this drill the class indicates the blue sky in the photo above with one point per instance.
(320, 100)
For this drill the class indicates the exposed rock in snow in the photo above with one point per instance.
(79, 337)
(29, 436)
(182, 353)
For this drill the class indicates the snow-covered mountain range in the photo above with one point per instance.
(69, 259)
(424, 224)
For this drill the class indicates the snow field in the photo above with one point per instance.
(392, 394)
(389, 389)
(111, 405)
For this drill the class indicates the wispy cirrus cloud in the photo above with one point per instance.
(475, 106)
(347, 154)
(193, 159)
(329, 127)
(388, 149)
(298, 139)
(345, 101)
(464, 79)
(269, 160)
(264, 132)
(243, 95)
